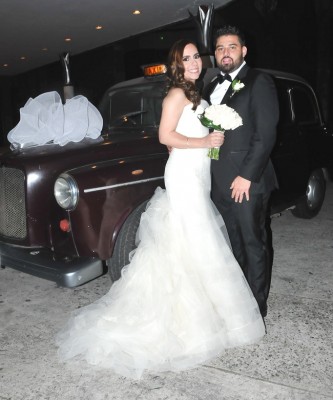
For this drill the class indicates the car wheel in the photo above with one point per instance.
(125, 243)
(311, 204)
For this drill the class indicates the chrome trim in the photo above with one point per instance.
(291, 103)
(123, 184)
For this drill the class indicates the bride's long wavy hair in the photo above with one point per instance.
(176, 72)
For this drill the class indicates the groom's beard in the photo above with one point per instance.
(232, 66)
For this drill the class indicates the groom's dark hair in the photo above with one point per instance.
(230, 30)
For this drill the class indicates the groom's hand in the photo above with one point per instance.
(240, 187)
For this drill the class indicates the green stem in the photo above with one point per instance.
(213, 153)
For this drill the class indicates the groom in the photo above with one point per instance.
(243, 177)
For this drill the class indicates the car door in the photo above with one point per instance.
(292, 155)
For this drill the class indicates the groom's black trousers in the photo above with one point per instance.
(247, 227)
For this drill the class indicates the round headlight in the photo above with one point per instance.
(66, 192)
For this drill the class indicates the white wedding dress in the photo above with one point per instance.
(183, 298)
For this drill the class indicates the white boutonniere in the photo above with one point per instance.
(236, 86)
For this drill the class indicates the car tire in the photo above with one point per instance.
(311, 204)
(125, 243)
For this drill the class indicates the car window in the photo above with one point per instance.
(133, 106)
(284, 103)
(304, 106)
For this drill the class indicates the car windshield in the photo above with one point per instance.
(138, 105)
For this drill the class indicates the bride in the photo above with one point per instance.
(183, 298)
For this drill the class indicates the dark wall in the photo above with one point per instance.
(281, 34)
(289, 35)
(91, 72)
(278, 37)
(6, 118)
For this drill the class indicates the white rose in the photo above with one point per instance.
(224, 116)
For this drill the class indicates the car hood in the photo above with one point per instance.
(118, 145)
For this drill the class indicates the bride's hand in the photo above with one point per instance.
(214, 139)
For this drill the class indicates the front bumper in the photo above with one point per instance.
(42, 263)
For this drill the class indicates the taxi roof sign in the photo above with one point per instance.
(154, 70)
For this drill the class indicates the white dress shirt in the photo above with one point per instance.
(221, 88)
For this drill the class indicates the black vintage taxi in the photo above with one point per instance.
(69, 214)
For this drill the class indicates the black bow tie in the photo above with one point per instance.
(221, 78)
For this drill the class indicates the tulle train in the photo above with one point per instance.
(181, 301)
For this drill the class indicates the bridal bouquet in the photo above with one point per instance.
(220, 117)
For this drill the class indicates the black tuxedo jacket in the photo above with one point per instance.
(246, 150)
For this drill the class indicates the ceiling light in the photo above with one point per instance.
(23, 58)
(136, 12)
(5, 65)
(68, 39)
(98, 27)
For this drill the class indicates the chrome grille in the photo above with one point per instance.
(12, 203)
